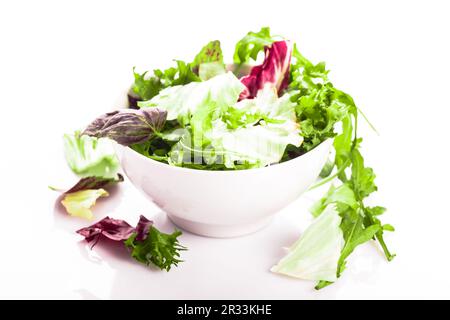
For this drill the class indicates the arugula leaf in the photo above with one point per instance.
(249, 46)
(320, 107)
(160, 249)
(342, 195)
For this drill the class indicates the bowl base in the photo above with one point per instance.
(220, 231)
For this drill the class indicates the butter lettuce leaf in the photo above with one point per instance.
(90, 157)
(209, 70)
(79, 204)
(181, 102)
(197, 104)
(316, 254)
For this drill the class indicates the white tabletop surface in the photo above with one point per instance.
(64, 63)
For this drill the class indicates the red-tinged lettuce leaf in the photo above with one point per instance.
(142, 228)
(116, 229)
(146, 243)
(128, 126)
(95, 183)
(274, 71)
(209, 53)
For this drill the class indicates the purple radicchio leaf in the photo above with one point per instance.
(142, 228)
(95, 183)
(116, 229)
(128, 126)
(274, 71)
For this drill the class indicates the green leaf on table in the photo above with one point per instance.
(315, 255)
(158, 248)
(79, 204)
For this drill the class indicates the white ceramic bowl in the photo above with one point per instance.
(223, 203)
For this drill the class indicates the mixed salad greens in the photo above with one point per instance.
(208, 115)
(95, 162)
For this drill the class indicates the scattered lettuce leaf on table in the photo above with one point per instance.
(147, 244)
(115, 229)
(79, 203)
(95, 161)
(316, 254)
(320, 107)
(157, 248)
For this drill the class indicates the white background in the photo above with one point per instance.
(64, 62)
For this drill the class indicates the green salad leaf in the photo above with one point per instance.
(196, 105)
(253, 43)
(214, 123)
(316, 254)
(320, 109)
(148, 87)
(182, 102)
(147, 244)
(212, 52)
(220, 130)
(90, 157)
(207, 63)
(209, 70)
(79, 203)
(158, 248)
